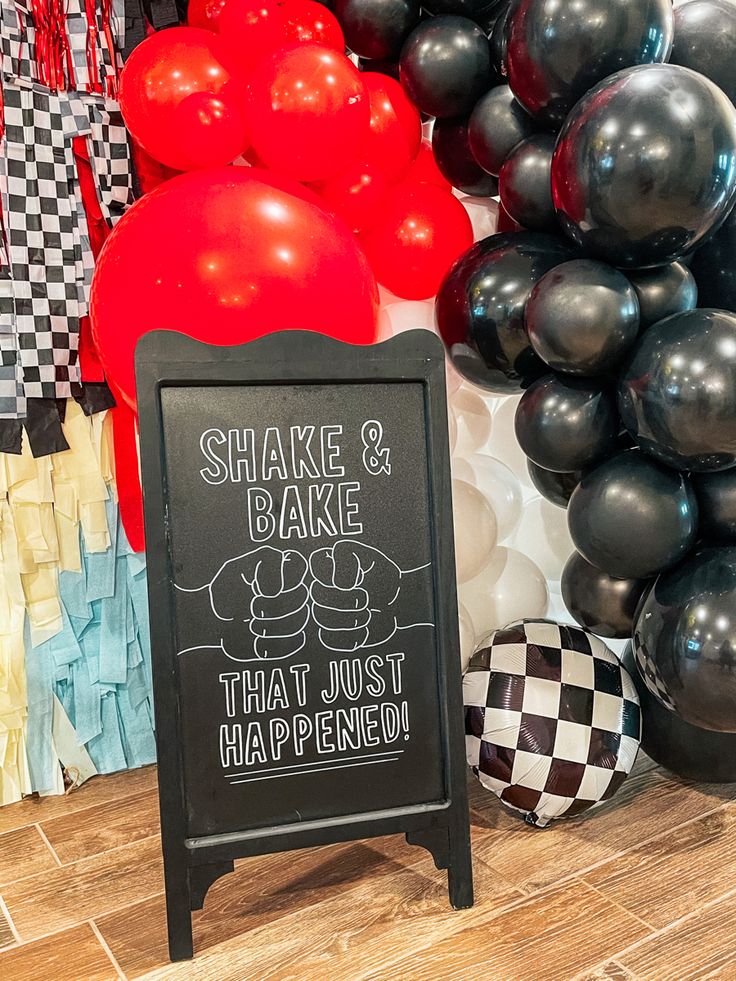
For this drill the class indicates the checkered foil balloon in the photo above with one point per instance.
(552, 719)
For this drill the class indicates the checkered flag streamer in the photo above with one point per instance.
(552, 719)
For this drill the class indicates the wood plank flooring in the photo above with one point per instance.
(643, 889)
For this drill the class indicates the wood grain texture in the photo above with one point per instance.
(22, 853)
(288, 908)
(98, 790)
(703, 945)
(351, 936)
(102, 827)
(612, 971)
(7, 937)
(649, 803)
(676, 873)
(61, 897)
(74, 955)
(553, 936)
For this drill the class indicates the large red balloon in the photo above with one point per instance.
(310, 21)
(181, 102)
(204, 13)
(396, 126)
(356, 194)
(308, 112)
(424, 168)
(251, 29)
(420, 232)
(226, 256)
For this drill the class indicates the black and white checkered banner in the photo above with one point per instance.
(552, 719)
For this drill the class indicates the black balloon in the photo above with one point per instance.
(582, 317)
(714, 268)
(497, 125)
(557, 52)
(677, 395)
(480, 308)
(716, 493)
(685, 639)
(377, 28)
(688, 751)
(567, 424)
(500, 40)
(597, 601)
(445, 66)
(384, 67)
(638, 180)
(455, 161)
(632, 517)
(663, 291)
(477, 10)
(524, 183)
(705, 40)
(555, 487)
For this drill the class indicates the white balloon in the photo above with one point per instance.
(451, 428)
(475, 530)
(500, 487)
(467, 635)
(503, 445)
(543, 536)
(410, 315)
(461, 469)
(473, 419)
(511, 587)
(483, 214)
(452, 379)
(385, 330)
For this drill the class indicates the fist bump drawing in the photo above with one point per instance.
(266, 601)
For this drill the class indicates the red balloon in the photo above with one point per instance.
(167, 69)
(226, 256)
(396, 126)
(308, 113)
(252, 29)
(309, 21)
(420, 232)
(355, 195)
(425, 168)
(150, 172)
(205, 13)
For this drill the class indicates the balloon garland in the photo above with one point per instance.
(616, 170)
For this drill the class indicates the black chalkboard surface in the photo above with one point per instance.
(302, 592)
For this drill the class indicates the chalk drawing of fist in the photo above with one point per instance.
(353, 593)
(263, 603)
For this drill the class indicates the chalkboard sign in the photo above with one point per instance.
(303, 607)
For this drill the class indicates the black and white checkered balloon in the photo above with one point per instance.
(552, 719)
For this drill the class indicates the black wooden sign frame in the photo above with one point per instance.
(165, 358)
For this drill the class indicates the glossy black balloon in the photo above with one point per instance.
(597, 601)
(455, 161)
(632, 517)
(582, 317)
(445, 66)
(558, 51)
(677, 395)
(497, 125)
(690, 752)
(716, 493)
(477, 10)
(480, 308)
(554, 487)
(714, 268)
(645, 166)
(567, 424)
(500, 40)
(685, 639)
(524, 183)
(377, 28)
(663, 291)
(384, 67)
(705, 40)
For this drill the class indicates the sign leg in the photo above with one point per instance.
(178, 911)
(460, 870)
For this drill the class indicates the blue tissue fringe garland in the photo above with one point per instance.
(98, 665)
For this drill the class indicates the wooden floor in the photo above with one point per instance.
(646, 888)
